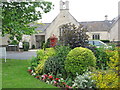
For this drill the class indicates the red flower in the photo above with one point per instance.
(68, 86)
(29, 70)
(64, 83)
(57, 79)
(46, 75)
(37, 77)
(50, 77)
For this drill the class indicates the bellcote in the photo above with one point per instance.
(64, 5)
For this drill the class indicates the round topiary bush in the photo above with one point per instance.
(78, 60)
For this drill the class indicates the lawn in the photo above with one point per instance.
(15, 75)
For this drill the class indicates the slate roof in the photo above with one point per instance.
(40, 27)
(94, 26)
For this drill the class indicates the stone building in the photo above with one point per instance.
(101, 30)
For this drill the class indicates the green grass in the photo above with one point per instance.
(15, 75)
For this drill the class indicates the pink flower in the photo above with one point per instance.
(68, 86)
(43, 77)
(46, 75)
(55, 82)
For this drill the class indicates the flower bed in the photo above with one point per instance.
(76, 68)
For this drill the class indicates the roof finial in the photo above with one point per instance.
(106, 17)
(64, 5)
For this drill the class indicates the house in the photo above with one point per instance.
(115, 30)
(103, 30)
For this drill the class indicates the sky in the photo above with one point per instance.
(85, 10)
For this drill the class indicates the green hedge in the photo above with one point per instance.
(79, 59)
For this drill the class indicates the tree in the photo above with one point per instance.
(73, 36)
(18, 15)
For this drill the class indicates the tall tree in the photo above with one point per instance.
(18, 15)
(73, 36)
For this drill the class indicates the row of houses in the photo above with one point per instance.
(101, 30)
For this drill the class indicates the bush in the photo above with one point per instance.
(33, 46)
(109, 78)
(42, 56)
(102, 56)
(25, 46)
(73, 36)
(14, 42)
(79, 59)
(106, 79)
(114, 62)
(84, 81)
(55, 64)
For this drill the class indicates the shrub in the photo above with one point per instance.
(79, 59)
(84, 81)
(33, 46)
(42, 56)
(25, 46)
(114, 62)
(34, 61)
(14, 42)
(102, 58)
(109, 78)
(55, 64)
(73, 36)
(106, 79)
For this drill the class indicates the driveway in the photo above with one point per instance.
(21, 55)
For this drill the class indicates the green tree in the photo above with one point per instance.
(73, 36)
(18, 15)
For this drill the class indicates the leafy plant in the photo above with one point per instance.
(109, 78)
(33, 46)
(83, 81)
(42, 56)
(17, 15)
(73, 36)
(101, 56)
(14, 42)
(106, 79)
(114, 62)
(79, 59)
(55, 64)
(25, 46)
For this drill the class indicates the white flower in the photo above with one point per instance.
(29, 67)
(32, 71)
(33, 74)
(47, 82)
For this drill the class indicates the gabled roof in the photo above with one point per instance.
(40, 27)
(115, 20)
(94, 26)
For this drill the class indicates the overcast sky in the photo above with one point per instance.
(85, 10)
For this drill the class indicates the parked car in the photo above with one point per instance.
(98, 44)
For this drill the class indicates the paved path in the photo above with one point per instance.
(21, 55)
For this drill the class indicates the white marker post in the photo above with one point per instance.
(3, 52)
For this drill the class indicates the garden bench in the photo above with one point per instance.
(3, 52)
